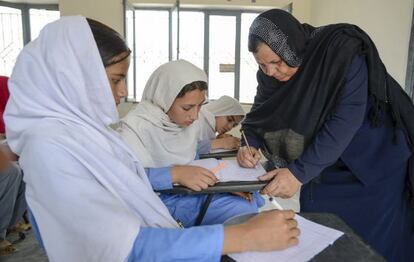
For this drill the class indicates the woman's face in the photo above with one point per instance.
(272, 65)
(184, 111)
(116, 75)
(226, 123)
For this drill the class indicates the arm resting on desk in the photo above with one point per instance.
(160, 178)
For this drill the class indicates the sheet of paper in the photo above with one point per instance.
(229, 170)
(220, 150)
(313, 239)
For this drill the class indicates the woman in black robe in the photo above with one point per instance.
(335, 124)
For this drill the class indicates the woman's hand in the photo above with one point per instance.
(267, 231)
(284, 184)
(247, 159)
(193, 177)
(228, 142)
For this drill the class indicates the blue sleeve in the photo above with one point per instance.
(204, 146)
(338, 131)
(202, 244)
(160, 178)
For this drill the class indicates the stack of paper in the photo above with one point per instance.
(313, 239)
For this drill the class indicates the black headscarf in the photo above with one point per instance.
(323, 55)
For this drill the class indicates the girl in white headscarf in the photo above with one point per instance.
(89, 196)
(216, 119)
(163, 132)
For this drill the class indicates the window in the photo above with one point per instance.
(15, 32)
(39, 18)
(12, 38)
(221, 56)
(214, 40)
(192, 37)
(151, 44)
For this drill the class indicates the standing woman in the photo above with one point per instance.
(334, 121)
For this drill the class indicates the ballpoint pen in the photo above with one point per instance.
(274, 202)
(247, 143)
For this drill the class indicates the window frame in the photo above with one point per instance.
(237, 13)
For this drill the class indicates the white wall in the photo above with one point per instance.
(387, 22)
(109, 12)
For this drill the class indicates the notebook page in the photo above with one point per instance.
(229, 170)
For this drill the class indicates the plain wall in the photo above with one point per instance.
(388, 23)
(109, 12)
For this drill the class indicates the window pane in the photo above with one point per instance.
(151, 38)
(11, 41)
(39, 18)
(192, 37)
(248, 66)
(221, 59)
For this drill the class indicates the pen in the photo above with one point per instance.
(247, 143)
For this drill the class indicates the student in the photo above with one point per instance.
(12, 201)
(216, 119)
(327, 106)
(163, 132)
(87, 191)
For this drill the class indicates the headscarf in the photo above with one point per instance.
(148, 130)
(4, 96)
(61, 99)
(323, 55)
(224, 106)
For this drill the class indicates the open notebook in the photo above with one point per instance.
(229, 170)
(313, 239)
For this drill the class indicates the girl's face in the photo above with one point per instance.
(226, 123)
(184, 111)
(272, 65)
(116, 75)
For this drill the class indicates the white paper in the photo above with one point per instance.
(313, 239)
(229, 170)
(220, 150)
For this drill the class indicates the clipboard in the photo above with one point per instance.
(220, 187)
(219, 155)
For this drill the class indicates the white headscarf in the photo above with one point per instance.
(224, 106)
(60, 99)
(148, 130)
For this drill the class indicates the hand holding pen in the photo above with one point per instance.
(247, 156)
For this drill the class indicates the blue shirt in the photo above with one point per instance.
(202, 244)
